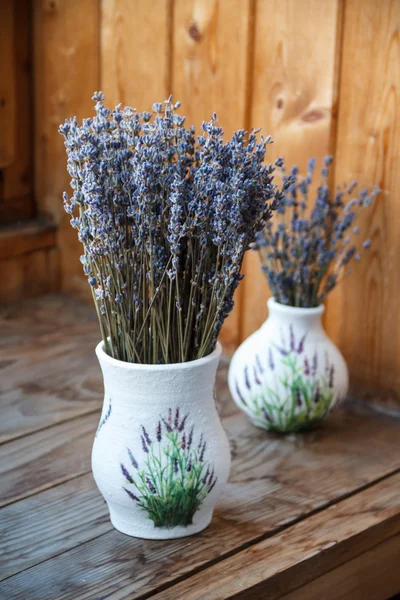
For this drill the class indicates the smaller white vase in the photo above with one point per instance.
(160, 457)
(288, 375)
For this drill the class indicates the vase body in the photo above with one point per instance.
(160, 457)
(288, 375)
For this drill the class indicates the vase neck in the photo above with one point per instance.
(306, 318)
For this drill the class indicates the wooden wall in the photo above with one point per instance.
(320, 76)
(28, 253)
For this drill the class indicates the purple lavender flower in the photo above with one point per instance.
(190, 440)
(170, 416)
(317, 394)
(189, 466)
(176, 422)
(133, 460)
(144, 446)
(167, 425)
(257, 381)
(203, 449)
(246, 377)
(183, 443)
(315, 363)
(239, 393)
(200, 443)
(211, 477)
(301, 344)
(292, 340)
(299, 401)
(145, 180)
(331, 376)
(307, 252)
(126, 474)
(266, 414)
(182, 424)
(150, 485)
(282, 351)
(306, 366)
(146, 436)
(131, 495)
(212, 486)
(175, 465)
(159, 432)
(259, 365)
(206, 475)
(271, 359)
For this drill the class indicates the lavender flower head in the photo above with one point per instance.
(306, 251)
(165, 218)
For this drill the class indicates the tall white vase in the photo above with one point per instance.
(288, 375)
(160, 457)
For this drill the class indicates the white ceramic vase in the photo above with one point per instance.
(160, 457)
(288, 375)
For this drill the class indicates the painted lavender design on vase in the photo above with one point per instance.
(288, 376)
(174, 477)
(308, 391)
(105, 418)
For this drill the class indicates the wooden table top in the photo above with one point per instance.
(304, 517)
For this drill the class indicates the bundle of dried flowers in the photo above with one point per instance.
(305, 252)
(165, 218)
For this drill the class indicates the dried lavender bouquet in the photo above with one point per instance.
(165, 218)
(305, 250)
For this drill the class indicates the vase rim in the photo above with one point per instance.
(104, 357)
(298, 310)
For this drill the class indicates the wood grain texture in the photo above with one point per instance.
(293, 100)
(373, 575)
(7, 84)
(67, 67)
(368, 150)
(272, 485)
(16, 188)
(136, 52)
(55, 527)
(27, 237)
(41, 460)
(287, 560)
(30, 274)
(212, 45)
(35, 391)
(21, 321)
(275, 483)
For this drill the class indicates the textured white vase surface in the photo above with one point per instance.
(288, 375)
(161, 457)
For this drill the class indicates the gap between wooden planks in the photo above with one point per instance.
(289, 488)
(281, 563)
(315, 546)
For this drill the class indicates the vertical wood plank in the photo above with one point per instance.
(18, 175)
(212, 42)
(7, 83)
(135, 52)
(294, 94)
(66, 40)
(363, 313)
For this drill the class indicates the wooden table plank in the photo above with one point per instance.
(274, 482)
(49, 523)
(20, 321)
(42, 351)
(374, 575)
(46, 458)
(42, 380)
(59, 542)
(303, 552)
